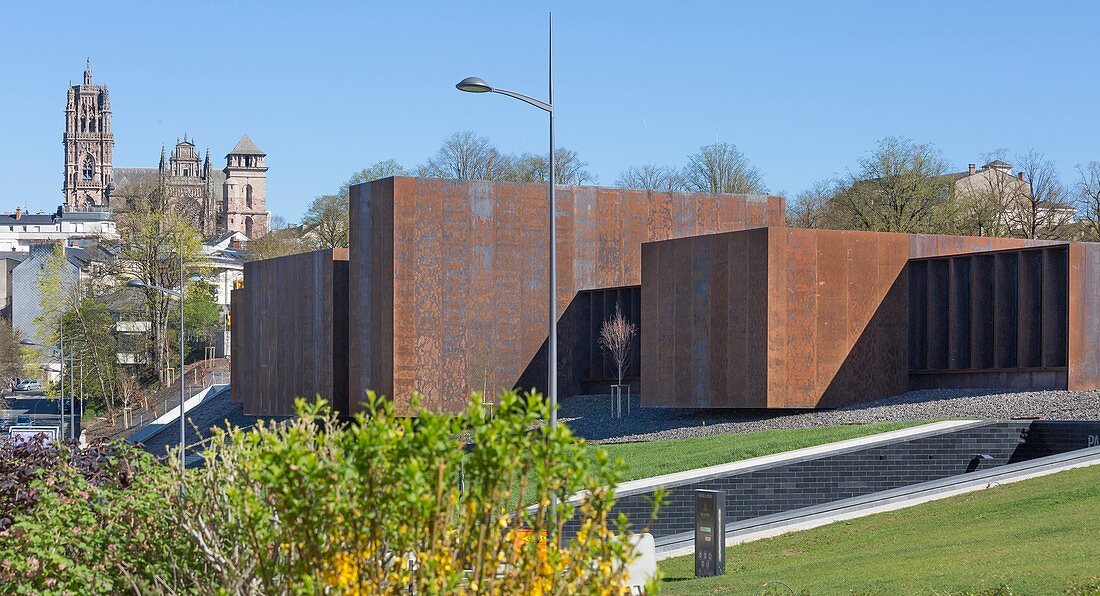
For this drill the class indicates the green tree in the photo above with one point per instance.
(152, 245)
(91, 342)
(900, 187)
(201, 314)
(11, 353)
(327, 220)
(375, 171)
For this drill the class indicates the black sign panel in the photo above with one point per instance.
(710, 534)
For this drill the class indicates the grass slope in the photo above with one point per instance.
(654, 458)
(1040, 536)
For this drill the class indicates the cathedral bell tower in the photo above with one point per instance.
(245, 195)
(89, 145)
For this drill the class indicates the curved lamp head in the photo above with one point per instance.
(136, 283)
(473, 85)
(27, 342)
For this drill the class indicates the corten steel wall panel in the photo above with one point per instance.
(837, 329)
(287, 334)
(1084, 316)
(704, 321)
(371, 287)
(236, 311)
(468, 282)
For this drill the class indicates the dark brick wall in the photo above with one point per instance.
(1050, 437)
(786, 486)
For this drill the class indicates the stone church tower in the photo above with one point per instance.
(244, 200)
(89, 145)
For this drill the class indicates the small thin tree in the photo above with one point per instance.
(617, 337)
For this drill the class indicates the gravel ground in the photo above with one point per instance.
(589, 415)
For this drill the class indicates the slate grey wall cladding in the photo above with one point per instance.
(1050, 437)
(783, 487)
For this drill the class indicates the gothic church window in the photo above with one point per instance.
(248, 227)
(248, 197)
(88, 171)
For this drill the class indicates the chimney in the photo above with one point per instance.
(1020, 175)
(970, 169)
(18, 213)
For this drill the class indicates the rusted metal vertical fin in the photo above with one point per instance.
(1054, 291)
(918, 315)
(938, 292)
(1004, 310)
(959, 313)
(1030, 308)
(981, 312)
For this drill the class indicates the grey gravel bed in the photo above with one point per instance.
(589, 416)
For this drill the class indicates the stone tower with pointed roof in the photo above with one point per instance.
(89, 145)
(244, 202)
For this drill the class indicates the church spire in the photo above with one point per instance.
(163, 159)
(88, 72)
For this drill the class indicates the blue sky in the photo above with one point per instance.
(804, 89)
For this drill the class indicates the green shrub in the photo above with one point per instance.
(89, 521)
(376, 505)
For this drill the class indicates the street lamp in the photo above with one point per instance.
(137, 283)
(476, 85)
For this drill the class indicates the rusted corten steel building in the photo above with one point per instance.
(448, 279)
(793, 318)
(290, 332)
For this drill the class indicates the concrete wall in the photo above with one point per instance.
(290, 333)
(449, 282)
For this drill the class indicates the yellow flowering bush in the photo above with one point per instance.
(381, 504)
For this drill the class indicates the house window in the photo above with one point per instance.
(88, 171)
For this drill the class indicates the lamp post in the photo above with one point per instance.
(476, 85)
(137, 283)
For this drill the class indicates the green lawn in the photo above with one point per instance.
(1040, 536)
(654, 458)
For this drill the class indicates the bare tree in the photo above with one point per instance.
(1045, 211)
(652, 177)
(722, 168)
(1088, 193)
(529, 167)
(466, 155)
(984, 201)
(900, 187)
(813, 208)
(617, 337)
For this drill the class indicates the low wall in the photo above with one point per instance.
(785, 485)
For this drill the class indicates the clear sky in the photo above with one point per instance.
(804, 89)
